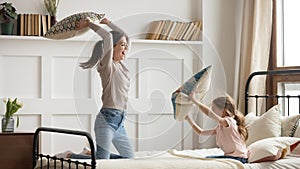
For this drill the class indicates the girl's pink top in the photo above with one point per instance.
(230, 140)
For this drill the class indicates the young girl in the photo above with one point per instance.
(230, 132)
(107, 56)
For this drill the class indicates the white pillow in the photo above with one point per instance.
(289, 125)
(271, 149)
(265, 126)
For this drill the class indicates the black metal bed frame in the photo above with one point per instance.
(36, 155)
(266, 97)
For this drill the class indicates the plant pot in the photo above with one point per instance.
(53, 20)
(7, 28)
(8, 126)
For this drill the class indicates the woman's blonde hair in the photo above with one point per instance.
(227, 103)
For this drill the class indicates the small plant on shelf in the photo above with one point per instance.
(7, 13)
(51, 6)
(8, 17)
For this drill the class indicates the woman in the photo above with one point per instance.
(108, 56)
(230, 132)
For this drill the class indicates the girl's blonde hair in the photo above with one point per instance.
(227, 103)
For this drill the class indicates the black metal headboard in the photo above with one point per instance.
(266, 97)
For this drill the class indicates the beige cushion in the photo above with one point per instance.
(297, 131)
(265, 126)
(66, 28)
(289, 125)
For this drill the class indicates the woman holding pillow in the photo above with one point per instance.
(108, 55)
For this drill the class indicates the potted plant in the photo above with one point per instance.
(12, 106)
(8, 17)
(51, 6)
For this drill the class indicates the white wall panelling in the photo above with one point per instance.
(57, 93)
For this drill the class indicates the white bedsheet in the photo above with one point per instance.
(286, 163)
(187, 159)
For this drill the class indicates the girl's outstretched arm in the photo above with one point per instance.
(197, 128)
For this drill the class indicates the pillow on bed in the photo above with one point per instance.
(66, 28)
(271, 149)
(265, 126)
(297, 131)
(199, 83)
(289, 125)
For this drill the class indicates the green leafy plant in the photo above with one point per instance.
(7, 12)
(51, 6)
(12, 106)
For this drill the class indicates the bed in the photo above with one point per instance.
(269, 133)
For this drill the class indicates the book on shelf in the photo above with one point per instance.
(197, 32)
(189, 32)
(160, 30)
(181, 31)
(174, 30)
(153, 29)
(166, 30)
(33, 24)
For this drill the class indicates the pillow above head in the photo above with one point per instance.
(66, 28)
(271, 149)
(199, 84)
(265, 126)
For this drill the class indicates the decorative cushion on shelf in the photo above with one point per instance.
(273, 148)
(66, 28)
(265, 126)
(199, 83)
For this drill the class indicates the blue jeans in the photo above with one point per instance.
(109, 128)
(241, 159)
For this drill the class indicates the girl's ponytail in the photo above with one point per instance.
(240, 121)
